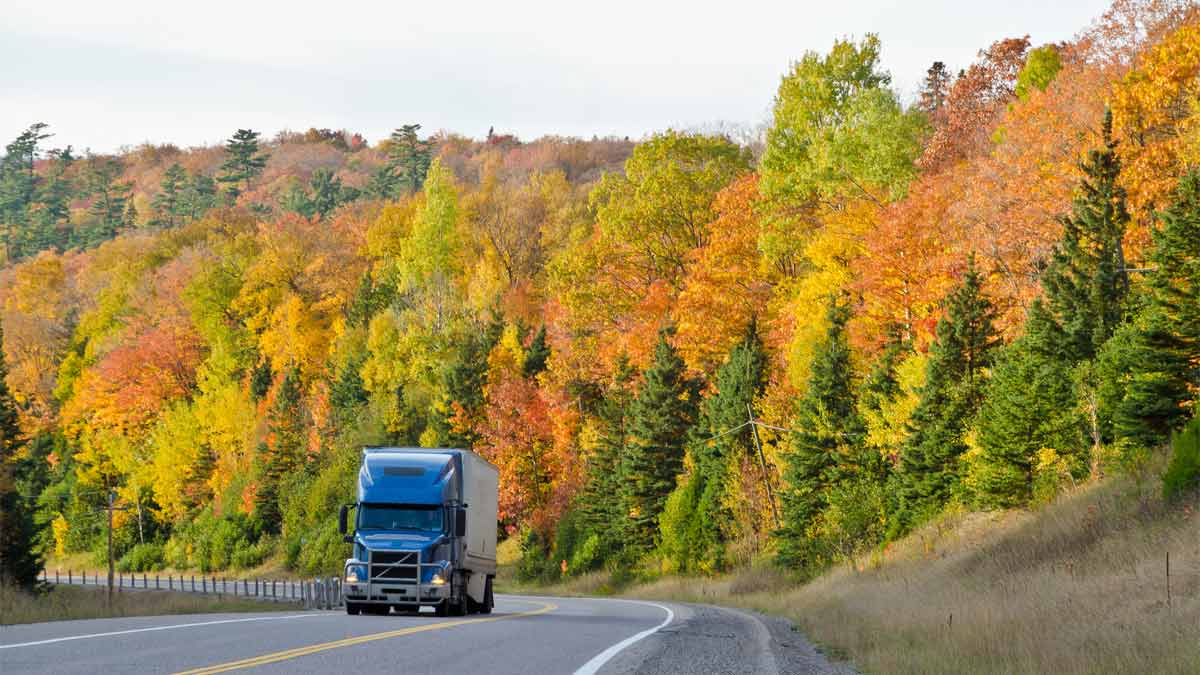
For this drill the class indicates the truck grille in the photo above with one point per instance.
(394, 566)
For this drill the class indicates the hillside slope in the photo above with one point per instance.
(1079, 586)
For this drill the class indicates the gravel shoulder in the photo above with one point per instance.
(707, 639)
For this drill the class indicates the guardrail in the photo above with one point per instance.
(318, 593)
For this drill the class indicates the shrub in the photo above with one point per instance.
(247, 555)
(149, 557)
(1183, 473)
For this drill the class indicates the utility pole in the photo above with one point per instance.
(762, 460)
(111, 496)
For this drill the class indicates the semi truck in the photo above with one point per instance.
(424, 532)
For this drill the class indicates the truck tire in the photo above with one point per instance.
(489, 601)
(442, 608)
(353, 608)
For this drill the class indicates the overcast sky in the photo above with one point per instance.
(121, 72)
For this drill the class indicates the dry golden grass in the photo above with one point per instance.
(72, 602)
(1079, 586)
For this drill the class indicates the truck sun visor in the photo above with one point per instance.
(403, 471)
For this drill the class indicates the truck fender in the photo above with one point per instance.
(477, 587)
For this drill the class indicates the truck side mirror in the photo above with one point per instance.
(460, 522)
(342, 516)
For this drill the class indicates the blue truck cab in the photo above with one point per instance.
(424, 532)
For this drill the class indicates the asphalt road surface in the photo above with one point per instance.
(542, 636)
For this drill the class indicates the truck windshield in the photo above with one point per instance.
(389, 517)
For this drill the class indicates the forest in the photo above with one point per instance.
(687, 353)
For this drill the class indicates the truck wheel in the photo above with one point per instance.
(352, 608)
(442, 608)
(489, 600)
(458, 608)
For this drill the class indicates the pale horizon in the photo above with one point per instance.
(125, 73)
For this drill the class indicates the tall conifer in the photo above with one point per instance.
(1086, 281)
(954, 386)
(827, 445)
(660, 416)
(1030, 405)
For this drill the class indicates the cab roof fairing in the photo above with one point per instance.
(408, 478)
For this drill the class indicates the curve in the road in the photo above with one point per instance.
(598, 661)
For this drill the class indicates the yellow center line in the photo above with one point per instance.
(350, 642)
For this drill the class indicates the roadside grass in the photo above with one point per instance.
(1078, 586)
(60, 603)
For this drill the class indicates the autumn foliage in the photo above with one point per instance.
(219, 347)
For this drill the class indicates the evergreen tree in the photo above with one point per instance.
(19, 563)
(827, 448)
(1144, 372)
(168, 202)
(660, 416)
(52, 209)
(599, 501)
(409, 158)
(18, 182)
(198, 196)
(537, 355)
(284, 453)
(243, 162)
(260, 379)
(325, 193)
(934, 89)
(1086, 281)
(348, 394)
(1030, 406)
(109, 195)
(954, 386)
(700, 523)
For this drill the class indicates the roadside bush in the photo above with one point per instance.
(149, 557)
(246, 555)
(1183, 473)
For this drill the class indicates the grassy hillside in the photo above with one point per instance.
(1079, 586)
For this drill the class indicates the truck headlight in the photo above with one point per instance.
(438, 579)
(355, 574)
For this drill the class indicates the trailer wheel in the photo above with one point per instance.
(353, 608)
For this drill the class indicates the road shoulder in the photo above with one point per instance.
(710, 639)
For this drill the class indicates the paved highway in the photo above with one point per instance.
(524, 635)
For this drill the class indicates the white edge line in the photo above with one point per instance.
(154, 628)
(598, 661)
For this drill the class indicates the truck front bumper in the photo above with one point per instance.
(396, 593)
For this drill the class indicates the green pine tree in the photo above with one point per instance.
(1030, 405)
(19, 562)
(409, 158)
(167, 204)
(954, 384)
(599, 503)
(199, 195)
(1145, 374)
(827, 448)
(660, 416)
(717, 455)
(243, 162)
(1086, 281)
(284, 451)
(537, 355)
(52, 211)
(109, 195)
